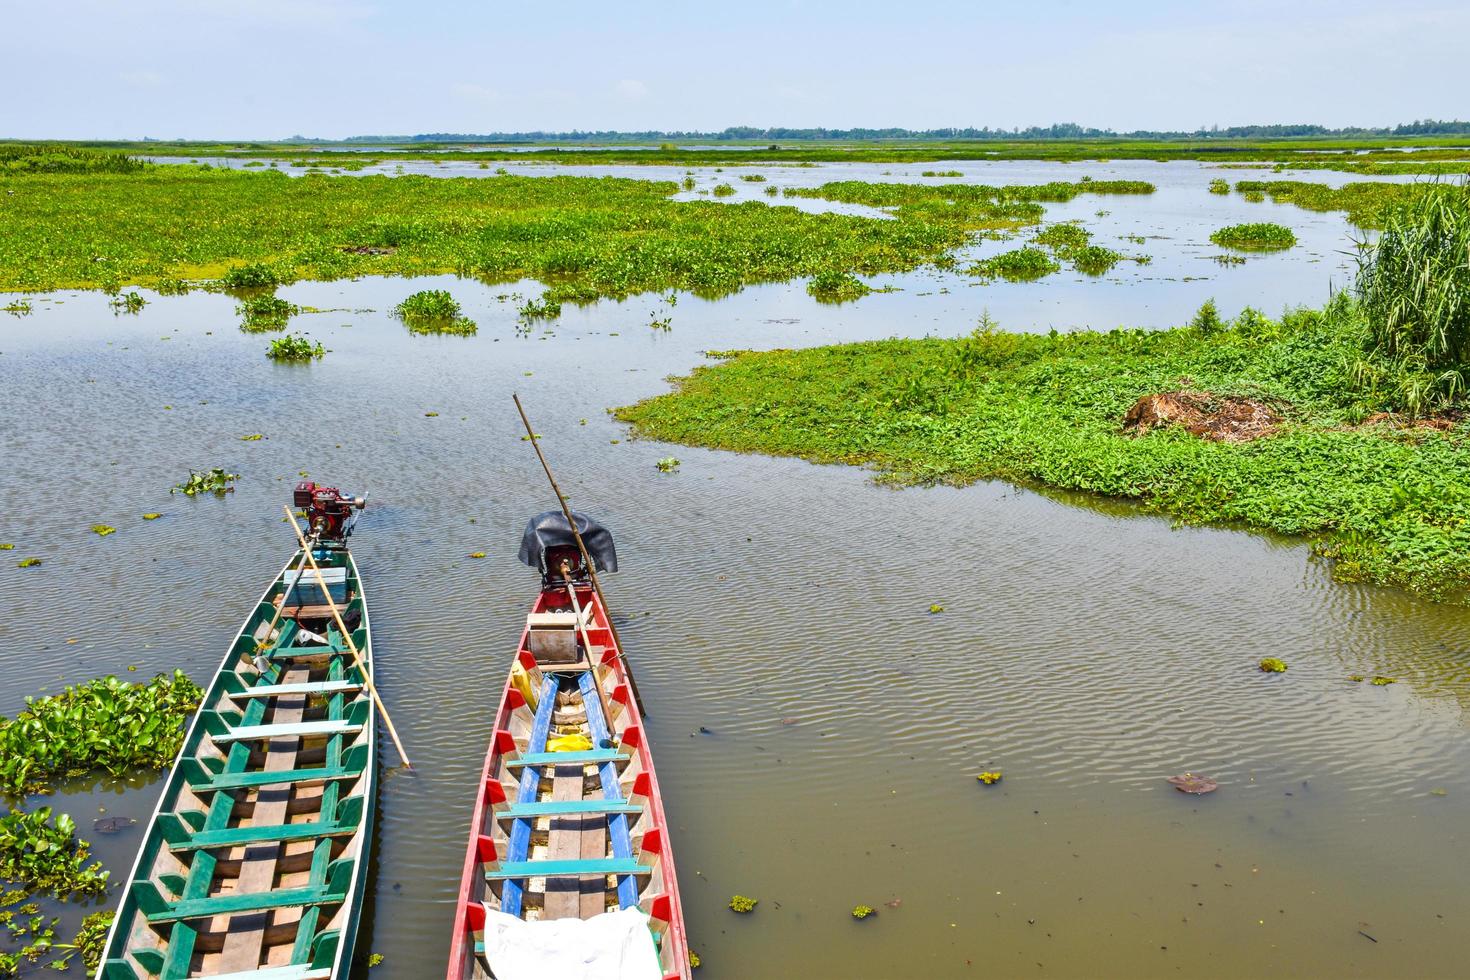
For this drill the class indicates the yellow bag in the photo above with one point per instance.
(569, 743)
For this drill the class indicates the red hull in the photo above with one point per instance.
(659, 896)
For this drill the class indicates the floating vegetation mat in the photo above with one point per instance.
(1049, 410)
(592, 237)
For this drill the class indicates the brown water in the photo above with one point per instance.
(1085, 651)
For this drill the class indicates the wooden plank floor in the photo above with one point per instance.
(572, 838)
(245, 940)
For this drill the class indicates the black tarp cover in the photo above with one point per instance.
(550, 530)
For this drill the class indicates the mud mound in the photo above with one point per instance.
(1219, 418)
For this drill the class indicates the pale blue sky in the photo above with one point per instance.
(333, 68)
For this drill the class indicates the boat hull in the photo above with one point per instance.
(237, 807)
(614, 791)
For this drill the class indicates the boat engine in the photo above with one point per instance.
(330, 513)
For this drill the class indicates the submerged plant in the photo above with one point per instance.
(215, 481)
(295, 348)
(129, 302)
(545, 308)
(1256, 237)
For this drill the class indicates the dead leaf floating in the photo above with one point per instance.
(1193, 783)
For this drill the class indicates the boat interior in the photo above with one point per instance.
(252, 866)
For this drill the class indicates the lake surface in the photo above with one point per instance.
(1084, 650)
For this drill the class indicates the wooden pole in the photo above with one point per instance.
(261, 645)
(367, 676)
(586, 557)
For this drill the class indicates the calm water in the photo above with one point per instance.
(1086, 651)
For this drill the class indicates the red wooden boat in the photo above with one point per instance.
(569, 873)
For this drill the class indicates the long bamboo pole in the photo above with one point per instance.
(262, 645)
(367, 676)
(586, 557)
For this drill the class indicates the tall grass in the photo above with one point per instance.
(1414, 285)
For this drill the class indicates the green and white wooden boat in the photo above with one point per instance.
(255, 862)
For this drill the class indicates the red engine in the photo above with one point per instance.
(330, 513)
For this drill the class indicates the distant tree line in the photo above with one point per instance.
(1057, 131)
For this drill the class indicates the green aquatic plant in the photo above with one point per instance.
(1016, 265)
(753, 178)
(667, 465)
(295, 349)
(129, 302)
(723, 190)
(61, 158)
(1257, 237)
(694, 962)
(434, 311)
(863, 911)
(215, 481)
(1382, 681)
(837, 287)
(45, 855)
(1365, 203)
(772, 190)
(151, 516)
(546, 308)
(942, 173)
(102, 530)
(740, 903)
(1048, 410)
(104, 724)
(259, 314)
(1094, 260)
(935, 608)
(1273, 665)
(989, 778)
(251, 275)
(688, 183)
(1063, 238)
(28, 563)
(172, 287)
(19, 307)
(1219, 186)
(91, 938)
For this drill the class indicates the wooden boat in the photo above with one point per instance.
(569, 849)
(255, 862)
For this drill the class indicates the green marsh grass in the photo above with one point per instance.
(588, 236)
(1414, 282)
(1047, 411)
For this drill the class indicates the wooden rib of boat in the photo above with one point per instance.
(255, 862)
(568, 823)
